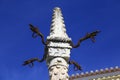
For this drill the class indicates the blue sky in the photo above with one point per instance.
(81, 16)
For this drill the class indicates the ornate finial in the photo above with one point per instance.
(58, 31)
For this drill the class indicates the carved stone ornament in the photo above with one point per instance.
(58, 48)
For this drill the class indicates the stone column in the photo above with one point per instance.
(58, 48)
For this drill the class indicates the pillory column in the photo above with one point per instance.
(58, 48)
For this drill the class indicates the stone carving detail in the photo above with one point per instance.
(58, 69)
(58, 61)
(58, 73)
(59, 52)
(58, 30)
(59, 44)
(58, 48)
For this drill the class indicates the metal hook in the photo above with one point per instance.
(34, 35)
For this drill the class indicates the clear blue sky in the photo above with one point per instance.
(81, 16)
